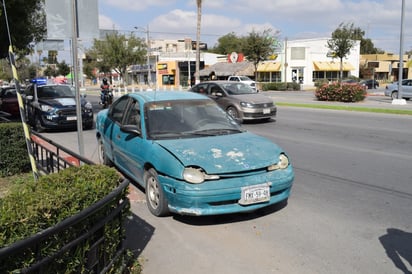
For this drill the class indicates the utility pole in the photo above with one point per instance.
(149, 76)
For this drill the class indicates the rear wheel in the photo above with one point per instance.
(155, 198)
(103, 159)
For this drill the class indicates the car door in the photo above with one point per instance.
(111, 124)
(128, 148)
(407, 89)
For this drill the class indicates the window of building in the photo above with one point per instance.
(297, 53)
(168, 79)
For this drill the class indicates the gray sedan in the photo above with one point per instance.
(238, 99)
(391, 90)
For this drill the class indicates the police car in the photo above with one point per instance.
(53, 106)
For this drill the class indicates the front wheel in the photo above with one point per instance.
(155, 198)
(38, 124)
(232, 111)
(394, 95)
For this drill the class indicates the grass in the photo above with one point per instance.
(348, 108)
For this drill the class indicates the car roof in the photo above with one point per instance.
(153, 96)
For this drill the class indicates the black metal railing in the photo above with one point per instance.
(51, 157)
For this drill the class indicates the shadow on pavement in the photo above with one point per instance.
(398, 246)
(138, 235)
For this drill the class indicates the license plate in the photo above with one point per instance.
(255, 194)
(71, 118)
(266, 111)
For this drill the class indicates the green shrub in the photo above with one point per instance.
(281, 86)
(340, 92)
(31, 206)
(14, 158)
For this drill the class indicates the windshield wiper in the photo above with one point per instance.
(216, 131)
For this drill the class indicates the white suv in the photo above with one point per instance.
(243, 79)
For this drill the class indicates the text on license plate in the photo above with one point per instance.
(71, 118)
(255, 194)
(266, 110)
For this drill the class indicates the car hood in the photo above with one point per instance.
(253, 98)
(226, 153)
(61, 102)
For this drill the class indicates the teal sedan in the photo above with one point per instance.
(190, 156)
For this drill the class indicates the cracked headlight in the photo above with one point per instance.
(281, 164)
(197, 176)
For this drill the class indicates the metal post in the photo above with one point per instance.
(75, 78)
(400, 75)
(149, 77)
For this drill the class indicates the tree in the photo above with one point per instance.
(27, 24)
(228, 43)
(342, 42)
(258, 46)
(199, 17)
(63, 68)
(117, 52)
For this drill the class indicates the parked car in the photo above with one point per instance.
(370, 84)
(350, 81)
(8, 101)
(392, 89)
(54, 107)
(190, 156)
(238, 99)
(243, 79)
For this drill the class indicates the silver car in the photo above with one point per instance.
(391, 90)
(238, 99)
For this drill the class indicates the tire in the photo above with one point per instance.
(103, 159)
(38, 126)
(394, 95)
(232, 111)
(155, 198)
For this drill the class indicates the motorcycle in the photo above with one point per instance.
(106, 97)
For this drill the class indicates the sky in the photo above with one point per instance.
(290, 19)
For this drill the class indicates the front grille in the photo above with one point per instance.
(264, 105)
(66, 112)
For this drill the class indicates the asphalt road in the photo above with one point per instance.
(350, 209)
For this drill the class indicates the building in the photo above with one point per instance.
(172, 64)
(383, 67)
(306, 61)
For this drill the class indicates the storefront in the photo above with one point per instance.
(167, 76)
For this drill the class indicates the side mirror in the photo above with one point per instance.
(132, 129)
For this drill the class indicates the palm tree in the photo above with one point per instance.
(199, 17)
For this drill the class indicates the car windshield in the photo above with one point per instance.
(54, 91)
(245, 78)
(8, 93)
(187, 119)
(238, 88)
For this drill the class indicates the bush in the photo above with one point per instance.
(31, 207)
(14, 158)
(282, 86)
(340, 92)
